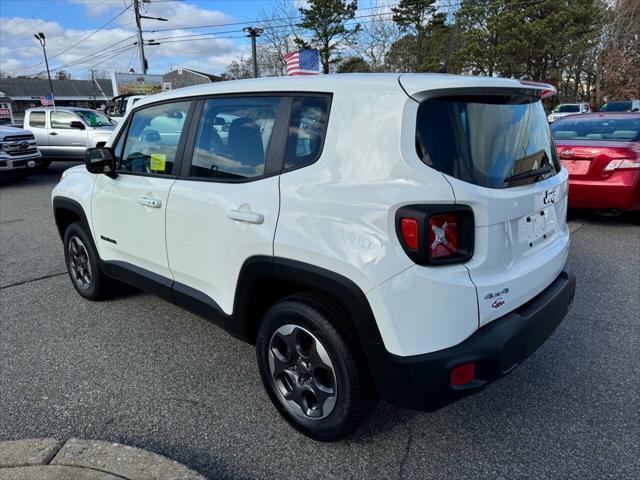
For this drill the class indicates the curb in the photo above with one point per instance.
(76, 459)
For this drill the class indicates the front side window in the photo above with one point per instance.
(62, 120)
(36, 119)
(494, 141)
(307, 129)
(95, 119)
(151, 143)
(233, 137)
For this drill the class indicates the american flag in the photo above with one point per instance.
(304, 62)
(47, 101)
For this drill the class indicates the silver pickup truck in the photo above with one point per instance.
(66, 132)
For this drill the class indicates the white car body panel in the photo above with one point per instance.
(139, 230)
(206, 248)
(77, 184)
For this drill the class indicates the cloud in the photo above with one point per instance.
(95, 8)
(111, 48)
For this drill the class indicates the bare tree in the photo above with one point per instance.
(621, 51)
(376, 36)
(281, 29)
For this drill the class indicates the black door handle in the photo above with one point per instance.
(52, 133)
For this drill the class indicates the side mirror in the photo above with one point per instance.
(637, 109)
(100, 160)
(77, 124)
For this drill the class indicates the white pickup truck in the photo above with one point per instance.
(66, 132)
(120, 105)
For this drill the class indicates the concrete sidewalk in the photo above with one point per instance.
(75, 459)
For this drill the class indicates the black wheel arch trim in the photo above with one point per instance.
(68, 204)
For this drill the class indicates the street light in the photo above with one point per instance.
(40, 37)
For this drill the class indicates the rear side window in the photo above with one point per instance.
(487, 140)
(151, 143)
(62, 120)
(233, 137)
(616, 107)
(598, 129)
(307, 129)
(36, 119)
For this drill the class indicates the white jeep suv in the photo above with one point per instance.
(394, 236)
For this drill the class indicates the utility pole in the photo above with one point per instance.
(253, 33)
(40, 37)
(93, 89)
(136, 8)
(143, 61)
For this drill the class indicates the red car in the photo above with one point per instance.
(601, 151)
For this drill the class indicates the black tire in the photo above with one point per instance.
(314, 321)
(44, 165)
(96, 285)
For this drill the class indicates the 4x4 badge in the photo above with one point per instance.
(549, 197)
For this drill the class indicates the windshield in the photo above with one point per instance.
(616, 107)
(598, 129)
(94, 119)
(486, 139)
(566, 109)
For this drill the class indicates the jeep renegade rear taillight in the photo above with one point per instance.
(436, 234)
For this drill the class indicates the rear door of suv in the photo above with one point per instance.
(224, 206)
(494, 147)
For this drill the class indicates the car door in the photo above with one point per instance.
(224, 207)
(67, 134)
(37, 124)
(128, 211)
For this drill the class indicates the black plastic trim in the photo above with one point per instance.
(62, 203)
(139, 277)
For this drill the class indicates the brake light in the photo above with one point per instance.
(443, 235)
(436, 234)
(462, 374)
(545, 90)
(409, 230)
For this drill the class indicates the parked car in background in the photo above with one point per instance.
(565, 109)
(621, 106)
(18, 152)
(601, 151)
(66, 132)
(401, 236)
(120, 105)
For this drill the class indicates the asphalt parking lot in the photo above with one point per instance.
(139, 371)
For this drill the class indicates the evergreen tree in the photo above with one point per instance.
(325, 19)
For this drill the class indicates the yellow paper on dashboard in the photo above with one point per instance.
(158, 162)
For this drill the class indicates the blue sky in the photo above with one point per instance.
(69, 26)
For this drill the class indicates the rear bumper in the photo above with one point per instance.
(422, 381)
(620, 191)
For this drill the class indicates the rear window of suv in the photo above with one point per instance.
(616, 107)
(494, 141)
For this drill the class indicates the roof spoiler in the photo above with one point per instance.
(545, 90)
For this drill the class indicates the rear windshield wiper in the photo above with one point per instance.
(531, 173)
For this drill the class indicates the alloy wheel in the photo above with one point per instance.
(302, 372)
(79, 264)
